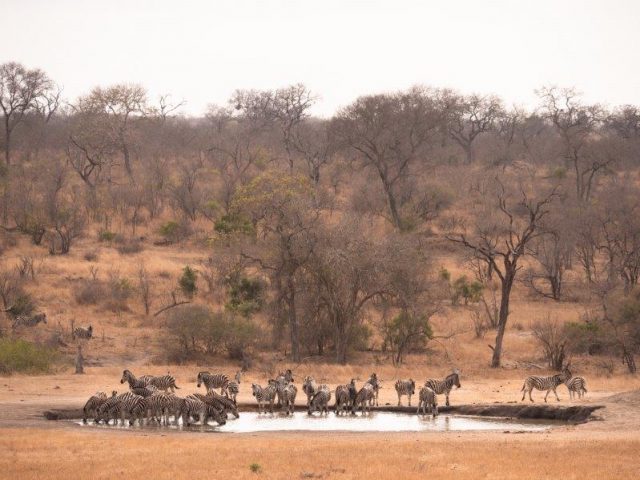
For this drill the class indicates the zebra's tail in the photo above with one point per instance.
(176, 386)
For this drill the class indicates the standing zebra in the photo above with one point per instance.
(81, 332)
(159, 405)
(287, 375)
(375, 383)
(427, 399)
(286, 395)
(320, 402)
(309, 387)
(164, 382)
(211, 381)
(29, 321)
(345, 396)
(234, 387)
(263, 395)
(92, 405)
(576, 385)
(130, 378)
(444, 386)
(405, 387)
(545, 383)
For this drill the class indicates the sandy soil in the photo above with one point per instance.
(34, 448)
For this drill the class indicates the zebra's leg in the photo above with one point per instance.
(530, 397)
(545, 397)
(446, 395)
(556, 394)
(399, 399)
(409, 399)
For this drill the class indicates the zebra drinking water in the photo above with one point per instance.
(320, 402)
(427, 399)
(92, 405)
(345, 396)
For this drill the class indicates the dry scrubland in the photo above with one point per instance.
(320, 227)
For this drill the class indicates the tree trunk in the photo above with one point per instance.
(507, 283)
(79, 361)
(293, 321)
(341, 345)
(7, 143)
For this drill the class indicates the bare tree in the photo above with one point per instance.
(470, 116)
(21, 91)
(501, 242)
(390, 133)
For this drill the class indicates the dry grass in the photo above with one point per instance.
(36, 454)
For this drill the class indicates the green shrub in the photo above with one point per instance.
(22, 356)
(22, 305)
(246, 296)
(173, 231)
(229, 224)
(468, 291)
(255, 467)
(106, 236)
(187, 281)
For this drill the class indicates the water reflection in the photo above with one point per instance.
(371, 422)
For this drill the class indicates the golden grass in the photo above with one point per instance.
(37, 454)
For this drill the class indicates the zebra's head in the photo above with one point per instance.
(126, 375)
(200, 377)
(255, 389)
(412, 388)
(455, 379)
(114, 393)
(353, 382)
(41, 317)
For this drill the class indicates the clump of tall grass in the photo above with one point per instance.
(18, 355)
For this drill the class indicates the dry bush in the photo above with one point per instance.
(551, 336)
(129, 247)
(89, 292)
(91, 255)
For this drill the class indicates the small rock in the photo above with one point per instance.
(56, 387)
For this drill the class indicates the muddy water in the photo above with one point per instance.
(373, 422)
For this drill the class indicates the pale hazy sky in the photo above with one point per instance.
(201, 51)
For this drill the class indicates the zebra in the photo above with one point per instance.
(444, 386)
(220, 402)
(545, 383)
(264, 394)
(309, 387)
(92, 405)
(164, 382)
(234, 387)
(427, 399)
(320, 402)
(81, 332)
(120, 405)
(375, 383)
(144, 392)
(193, 406)
(405, 387)
(364, 398)
(345, 395)
(576, 385)
(159, 405)
(211, 381)
(286, 395)
(129, 377)
(287, 375)
(29, 321)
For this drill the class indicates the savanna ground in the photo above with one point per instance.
(33, 448)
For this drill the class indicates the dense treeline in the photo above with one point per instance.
(322, 224)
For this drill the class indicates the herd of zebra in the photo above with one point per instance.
(153, 398)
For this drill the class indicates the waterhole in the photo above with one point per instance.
(371, 422)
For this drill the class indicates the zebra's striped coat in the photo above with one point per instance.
(576, 386)
(405, 387)
(444, 386)
(363, 398)
(92, 405)
(214, 380)
(130, 378)
(29, 320)
(544, 383)
(264, 394)
(83, 333)
(320, 402)
(345, 396)
(427, 400)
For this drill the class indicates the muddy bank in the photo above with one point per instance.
(573, 414)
